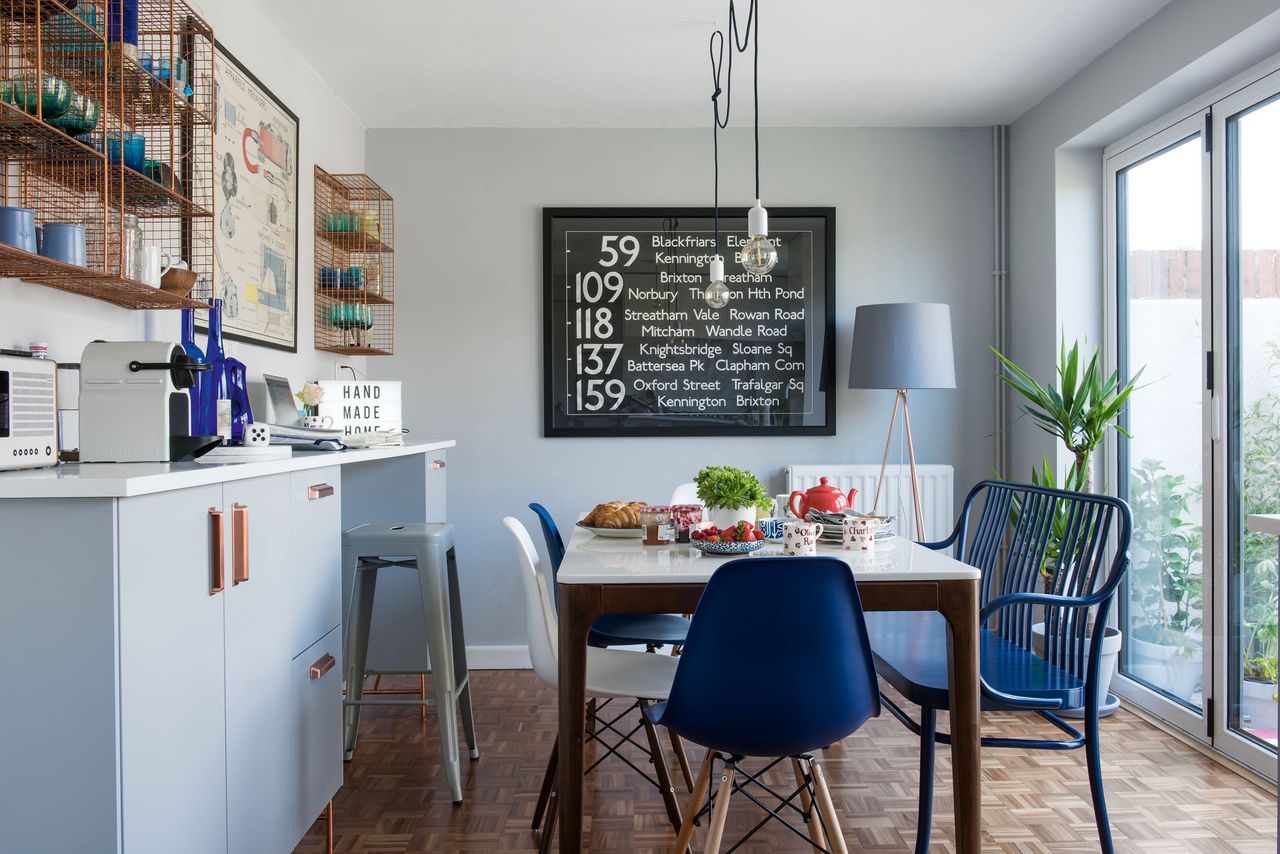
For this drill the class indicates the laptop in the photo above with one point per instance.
(287, 428)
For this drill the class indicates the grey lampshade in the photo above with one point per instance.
(902, 345)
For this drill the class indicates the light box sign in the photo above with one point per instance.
(362, 407)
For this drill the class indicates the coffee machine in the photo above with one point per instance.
(134, 404)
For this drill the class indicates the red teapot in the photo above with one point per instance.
(820, 497)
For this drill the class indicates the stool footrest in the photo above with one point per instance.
(431, 704)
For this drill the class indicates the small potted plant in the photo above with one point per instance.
(731, 495)
(1258, 700)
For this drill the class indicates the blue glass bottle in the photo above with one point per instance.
(200, 389)
(218, 389)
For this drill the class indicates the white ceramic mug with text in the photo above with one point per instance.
(317, 422)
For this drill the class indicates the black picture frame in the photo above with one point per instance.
(732, 219)
(223, 53)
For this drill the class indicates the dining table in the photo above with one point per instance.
(615, 575)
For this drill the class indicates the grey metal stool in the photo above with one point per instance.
(428, 547)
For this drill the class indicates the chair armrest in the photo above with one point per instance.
(1047, 599)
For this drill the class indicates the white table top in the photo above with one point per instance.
(589, 559)
(120, 480)
(1265, 523)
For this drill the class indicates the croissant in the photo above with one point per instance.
(615, 514)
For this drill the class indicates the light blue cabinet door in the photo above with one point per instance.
(317, 727)
(316, 579)
(172, 724)
(260, 795)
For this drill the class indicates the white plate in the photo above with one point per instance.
(614, 533)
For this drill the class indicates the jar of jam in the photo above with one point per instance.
(685, 518)
(657, 524)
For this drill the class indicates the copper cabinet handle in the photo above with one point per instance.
(239, 544)
(319, 490)
(323, 665)
(217, 552)
(438, 464)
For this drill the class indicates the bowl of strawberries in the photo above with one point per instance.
(741, 538)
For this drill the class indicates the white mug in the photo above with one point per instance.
(317, 422)
(858, 535)
(152, 261)
(800, 539)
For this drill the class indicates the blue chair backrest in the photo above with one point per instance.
(777, 660)
(550, 533)
(1021, 533)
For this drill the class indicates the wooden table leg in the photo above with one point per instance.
(958, 602)
(579, 606)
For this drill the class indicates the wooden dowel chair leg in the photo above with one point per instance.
(548, 780)
(720, 812)
(328, 830)
(677, 747)
(700, 787)
(829, 816)
(806, 803)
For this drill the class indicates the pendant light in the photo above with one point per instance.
(758, 255)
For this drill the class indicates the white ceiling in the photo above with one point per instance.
(606, 63)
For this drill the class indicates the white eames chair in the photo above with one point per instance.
(611, 674)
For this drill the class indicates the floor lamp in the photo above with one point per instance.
(902, 345)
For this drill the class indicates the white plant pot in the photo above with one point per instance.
(727, 517)
(1167, 667)
(1258, 706)
(1111, 643)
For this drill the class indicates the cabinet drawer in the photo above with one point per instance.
(316, 577)
(317, 728)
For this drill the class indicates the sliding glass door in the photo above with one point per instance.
(1249, 236)
(1194, 275)
(1161, 287)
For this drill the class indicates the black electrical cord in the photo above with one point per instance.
(715, 49)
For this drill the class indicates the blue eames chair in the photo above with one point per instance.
(1052, 551)
(651, 630)
(777, 664)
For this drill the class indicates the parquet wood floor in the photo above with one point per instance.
(1164, 797)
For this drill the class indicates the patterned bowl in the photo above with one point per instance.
(718, 548)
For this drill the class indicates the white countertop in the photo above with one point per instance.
(1265, 524)
(589, 559)
(121, 480)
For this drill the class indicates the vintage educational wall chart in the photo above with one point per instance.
(256, 240)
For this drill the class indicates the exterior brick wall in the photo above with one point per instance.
(1175, 274)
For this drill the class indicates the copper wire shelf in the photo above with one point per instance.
(80, 179)
(355, 239)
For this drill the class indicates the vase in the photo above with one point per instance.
(727, 517)
(1258, 707)
(1111, 643)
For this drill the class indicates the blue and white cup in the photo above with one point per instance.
(771, 527)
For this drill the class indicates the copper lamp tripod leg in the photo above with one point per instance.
(888, 440)
(901, 399)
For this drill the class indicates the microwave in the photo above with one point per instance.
(28, 413)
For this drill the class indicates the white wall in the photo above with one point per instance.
(329, 134)
(913, 224)
(1055, 169)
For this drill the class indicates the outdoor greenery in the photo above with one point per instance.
(1260, 493)
(726, 486)
(1166, 580)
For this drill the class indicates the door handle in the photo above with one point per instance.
(217, 552)
(319, 490)
(239, 544)
(322, 666)
(438, 464)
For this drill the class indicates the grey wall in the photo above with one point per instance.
(914, 223)
(1055, 169)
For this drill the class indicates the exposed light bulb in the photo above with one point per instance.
(717, 292)
(758, 254)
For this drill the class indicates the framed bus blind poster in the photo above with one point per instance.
(631, 348)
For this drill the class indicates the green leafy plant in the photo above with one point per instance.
(729, 487)
(1166, 583)
(1080, 413)
(1260, 493)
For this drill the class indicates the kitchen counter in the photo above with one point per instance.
(123, 480)
(1265, 524)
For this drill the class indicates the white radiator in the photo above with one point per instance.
(936, 493)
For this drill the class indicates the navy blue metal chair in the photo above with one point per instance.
(651, 630)
(777, 664)
(1021, 533)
